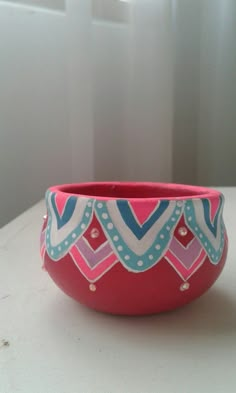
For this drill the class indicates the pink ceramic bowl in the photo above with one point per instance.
(133, 248)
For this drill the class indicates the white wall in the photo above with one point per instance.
(50, 4)
(34, 144)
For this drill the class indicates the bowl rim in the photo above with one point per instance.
(183, 191)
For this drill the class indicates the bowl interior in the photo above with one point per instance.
(114, 190)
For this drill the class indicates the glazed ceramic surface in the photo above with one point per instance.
(133, 248)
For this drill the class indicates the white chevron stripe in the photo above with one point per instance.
(139, 247)
(57, 236)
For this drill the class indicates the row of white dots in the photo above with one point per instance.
(201, 236)
(116, 238)
(83, 226)
(205, 243)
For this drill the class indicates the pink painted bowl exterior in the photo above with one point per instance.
(133, 248)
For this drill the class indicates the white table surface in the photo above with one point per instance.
(59, 346)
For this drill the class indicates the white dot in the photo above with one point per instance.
(74, 235)
(89, 204)
(140, 263)
(190, 218)
(200, 235)
(127, 257)
(100, 205)
(212, 255)
(168, 228)
(94, 233)
(110, 225)
(87, 214)
(47, 235)
(104, 215)
(83, 226)
(179, 203)
(196, 228)
(209, 250)
(115, 238)
(162, 236)
(205, 243)
(188, 207)
(66, 242)
(182, 231)
(173, 219)
(59, 248)
(92, 287)
(157, 246)
(177, 212)
(119, 248)
(52, 252)
(150, 256)
(185, 286)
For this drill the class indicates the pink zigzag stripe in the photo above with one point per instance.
(93, 256)
(187, 255)
(97, 271)
(180, 269)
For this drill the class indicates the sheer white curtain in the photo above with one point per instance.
(204, 128)
(152, 89)
(121, 88)
(217, 113)
(149, 99)
(111, 89)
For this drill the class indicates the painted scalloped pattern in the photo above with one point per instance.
(136, 237)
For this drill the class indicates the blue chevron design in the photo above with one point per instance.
(129, 219)
(206, 207)
(67, 213)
